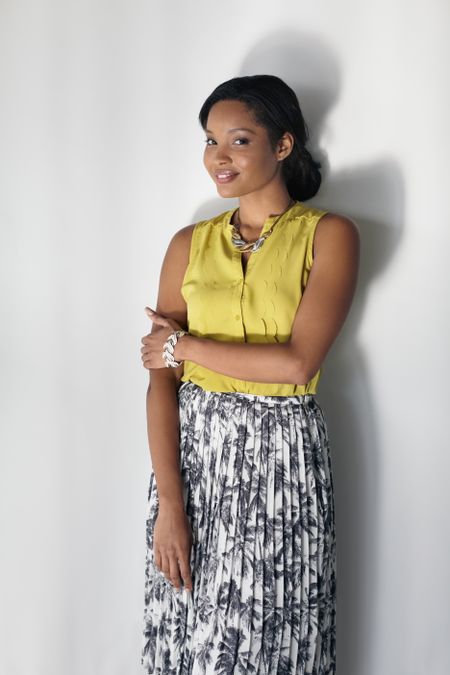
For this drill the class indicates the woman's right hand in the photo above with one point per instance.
(172, 541)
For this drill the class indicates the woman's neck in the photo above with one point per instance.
(253, 214)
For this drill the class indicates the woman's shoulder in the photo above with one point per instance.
(211, 222)
(182, 238)
(335, 231)
(330, 221)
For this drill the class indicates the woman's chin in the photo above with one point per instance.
(228, 191)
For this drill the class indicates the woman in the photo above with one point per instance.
(241, 550)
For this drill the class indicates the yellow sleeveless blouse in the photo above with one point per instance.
(224, 303)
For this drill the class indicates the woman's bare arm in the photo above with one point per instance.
(163, 439)
(321, 313)
(163, 421)
(172, 535)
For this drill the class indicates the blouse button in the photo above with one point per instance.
(237, 317)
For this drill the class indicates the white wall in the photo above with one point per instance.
(100, 162)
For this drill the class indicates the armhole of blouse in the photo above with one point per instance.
(309, 254)
(192, 251)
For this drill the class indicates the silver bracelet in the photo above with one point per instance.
(169, 347)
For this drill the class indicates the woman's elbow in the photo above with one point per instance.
(302, 372)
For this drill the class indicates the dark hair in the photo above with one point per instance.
(274, 106)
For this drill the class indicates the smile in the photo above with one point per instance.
(225, 177)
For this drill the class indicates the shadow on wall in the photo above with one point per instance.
(373, 197)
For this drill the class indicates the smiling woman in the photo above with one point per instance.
(240, 516)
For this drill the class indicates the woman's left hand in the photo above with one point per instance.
(154, 342)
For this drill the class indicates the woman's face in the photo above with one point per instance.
(236, 145)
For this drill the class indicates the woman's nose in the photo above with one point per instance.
(222, 154)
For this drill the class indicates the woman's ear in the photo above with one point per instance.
(285, 145)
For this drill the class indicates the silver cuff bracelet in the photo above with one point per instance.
(169, 347)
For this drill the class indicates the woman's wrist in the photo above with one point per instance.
(182, 348)
(174, 502)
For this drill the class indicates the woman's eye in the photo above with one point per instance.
(242, 141)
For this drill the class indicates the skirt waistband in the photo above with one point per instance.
(188, 385)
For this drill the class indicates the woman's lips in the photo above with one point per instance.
(225, 178)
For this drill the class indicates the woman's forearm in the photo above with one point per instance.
(255, 362)
(163, 424)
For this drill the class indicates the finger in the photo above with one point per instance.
(157, 558)
(160, 320)
(152, 313)
(174, 571)
(157, 318)
(165, 566)
(152, 361)
(185, 570)
(153, 316)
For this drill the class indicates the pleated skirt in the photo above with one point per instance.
(258, 492)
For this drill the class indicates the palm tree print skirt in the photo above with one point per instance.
(258, 492)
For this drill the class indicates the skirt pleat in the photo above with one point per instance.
(258, 492)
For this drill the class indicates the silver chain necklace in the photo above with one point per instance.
(244, 246)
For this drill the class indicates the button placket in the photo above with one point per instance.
(238, 301)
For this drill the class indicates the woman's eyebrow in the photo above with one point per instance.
(237, 129)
